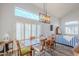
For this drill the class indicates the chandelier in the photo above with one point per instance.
(44, 17)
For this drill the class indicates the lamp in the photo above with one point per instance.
(6, 36)
(44, 17)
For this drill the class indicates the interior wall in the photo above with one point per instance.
(8, 23)
(72, 16)
(0, 20)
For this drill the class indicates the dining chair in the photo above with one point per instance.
(76, 51)
(23, 50)
(49, 43)
(2, 48)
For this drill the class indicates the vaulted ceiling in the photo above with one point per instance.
(58, 9)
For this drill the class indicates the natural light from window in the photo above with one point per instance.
(71, 23)
(25, 14)
(23, 31)
(71, 27)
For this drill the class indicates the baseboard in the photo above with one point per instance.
(64, 44)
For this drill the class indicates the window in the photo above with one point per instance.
(71, 23)
(19, 31)
(27, 31)
(34, 30)
(23, 31)
(71, 27)
(25, 14)
(38, 31)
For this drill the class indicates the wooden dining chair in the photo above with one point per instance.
(2, 48)
(76, 51)
(9, 47)
(23, 51)
(49, 43)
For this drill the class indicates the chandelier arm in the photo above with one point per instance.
(45, 8)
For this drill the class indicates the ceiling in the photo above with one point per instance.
(58, 9)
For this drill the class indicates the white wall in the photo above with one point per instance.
(0, 20)
(8, 23)
(46, 27)
(72, 16)
(8, 20)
